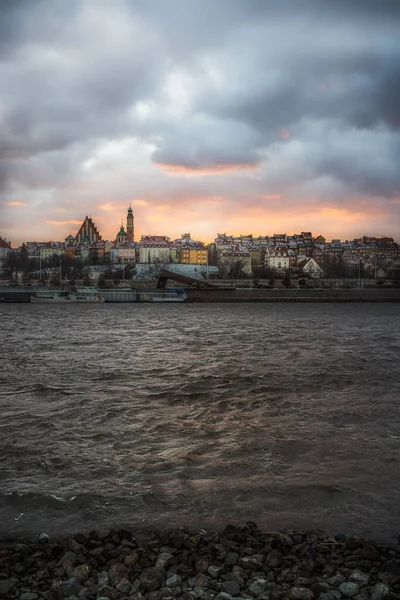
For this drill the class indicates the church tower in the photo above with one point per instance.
(130, 228)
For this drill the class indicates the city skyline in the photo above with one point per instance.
(242, 117)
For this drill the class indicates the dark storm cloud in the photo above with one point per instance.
(205, 84)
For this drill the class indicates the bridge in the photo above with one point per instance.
(191, 281)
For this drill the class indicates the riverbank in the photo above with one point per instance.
(239, 562)
(293, 295)
(250, 295)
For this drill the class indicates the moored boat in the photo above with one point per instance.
(67, 298)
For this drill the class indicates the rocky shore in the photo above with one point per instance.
(239, 562)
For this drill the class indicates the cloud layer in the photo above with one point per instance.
(237, 115)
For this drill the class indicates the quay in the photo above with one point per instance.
(216, 294)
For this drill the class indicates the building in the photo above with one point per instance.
(312, 269)
(235, 261)
(130, 226)
(197, 255)
(277, 259)
(126, 253)
(154, 249)
(5, 248)
(121, 236)
(88, 232)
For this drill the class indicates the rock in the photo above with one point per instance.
(81, 573)
(274, 558)
(29, 596)
(359, 577)
(257, 587)
(162, 560)
(214, 571)
(124, 586)
(202, 564)
(223, 596)
(298, 593)
(43, 538)
(380, 591)
(152, 579)
(6, 585)
(323, 548)
(285, 540)
(107, 592)
(67, 560)
(132, 558)
(349, 589)
(75, 546)
(336, 580)
(370, 553)
(231, 559)
(331, 595)
(116, 572)
(103, 578)
(231, 588)
(250, 563)
(174, 581)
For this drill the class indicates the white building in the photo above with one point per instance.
(278, 260)
(154, 249)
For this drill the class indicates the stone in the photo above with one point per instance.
(162, 560)
(230, 587)
(257, 587)
(336, 580)
(202, 564)
(359, 577)
(250, 563)
(298, 593)
(274, 558)
(323, 548)
(124, 586)
(103, 578)
(132, 558)
(6, 585)
(223, 596)
(331, 595)
(231, 559)
(174, 581)
(107, 592)
(349, 589)
(152, 579)
(29, 596)
(380, 591)
(117, 571)
(200, 581)
(43, 538)
(370, 553)
(214, 571)
(75, 546)
(81, 573)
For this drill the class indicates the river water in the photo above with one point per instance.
(144, 415)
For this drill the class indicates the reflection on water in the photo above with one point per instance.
(133, 414)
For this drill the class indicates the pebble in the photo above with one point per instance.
(241, 562)
(380, 591)
(349, 589)
(359, 577)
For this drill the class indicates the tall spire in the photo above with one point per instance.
(130, 227)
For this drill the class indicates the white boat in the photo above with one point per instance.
(67, 298)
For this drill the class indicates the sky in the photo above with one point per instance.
(236, 116)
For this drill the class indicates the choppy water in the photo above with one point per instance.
(142, 415)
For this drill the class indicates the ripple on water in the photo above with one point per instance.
(283, 414)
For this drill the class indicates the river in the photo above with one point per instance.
(162, 415)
